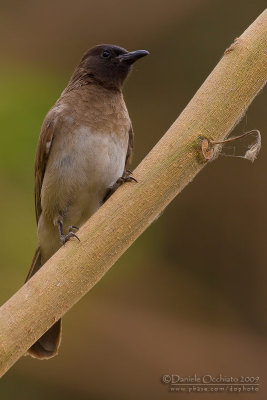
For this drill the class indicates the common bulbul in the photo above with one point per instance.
(85, 143)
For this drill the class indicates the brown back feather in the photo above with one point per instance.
(42, 154)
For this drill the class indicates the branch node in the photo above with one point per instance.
(209, 149)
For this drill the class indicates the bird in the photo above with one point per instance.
(85, 144)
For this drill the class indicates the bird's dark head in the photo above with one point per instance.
(108, 65)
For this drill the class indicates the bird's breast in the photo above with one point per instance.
(98, 159)
(82, 165)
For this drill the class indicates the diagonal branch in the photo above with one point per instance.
(212, 113)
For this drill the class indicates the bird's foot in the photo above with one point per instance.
(65, 238)
(126, 177)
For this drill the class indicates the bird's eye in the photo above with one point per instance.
(106, 53)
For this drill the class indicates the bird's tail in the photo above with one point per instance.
(48, 344)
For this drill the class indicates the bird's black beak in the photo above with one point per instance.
(132, 56)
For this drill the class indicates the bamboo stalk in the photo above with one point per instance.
(212, 113)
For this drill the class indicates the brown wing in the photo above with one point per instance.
(42, 154)
(129, 154)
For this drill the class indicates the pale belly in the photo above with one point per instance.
(77, 177)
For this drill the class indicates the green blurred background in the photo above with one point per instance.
(190, 295)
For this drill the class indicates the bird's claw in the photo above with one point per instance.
(65, 238)
(126, 177)
(73, 227)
